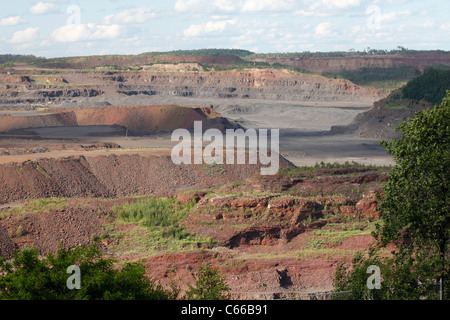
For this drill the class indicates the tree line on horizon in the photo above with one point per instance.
(241, 53)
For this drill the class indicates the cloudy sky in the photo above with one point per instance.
(56, 28)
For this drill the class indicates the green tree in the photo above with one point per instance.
(415, 212)
(431, 86)
(31, 277)
(415, 206)
(209, 285)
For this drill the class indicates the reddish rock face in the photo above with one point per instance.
(368, 208)
(185, 198)
(249, 203)
(349, 211)
(295, 210)
(336, 64)
(288, 206)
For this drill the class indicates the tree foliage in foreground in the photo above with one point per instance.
(31, 277)
(415, 214)
(416, 200)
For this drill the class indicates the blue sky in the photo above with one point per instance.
(57, 28)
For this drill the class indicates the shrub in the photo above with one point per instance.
(209, 285)
(30, 277)
(153, 212)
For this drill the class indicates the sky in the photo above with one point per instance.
(60, 28)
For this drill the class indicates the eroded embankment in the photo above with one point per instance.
(379, 122)
(139, 120)
(111, 176)
(142, 120)
(9, 123)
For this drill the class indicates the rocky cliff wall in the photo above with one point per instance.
(249, 84)
(337, 64)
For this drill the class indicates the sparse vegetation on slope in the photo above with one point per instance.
(162, 221)
(166, 213)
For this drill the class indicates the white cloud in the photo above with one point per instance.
(189, 5)
(43, 8)
(45, 43)
(219, 17)
(251, 34)
(266, 5)
(208, 27)
(203, 5)
(12, 21)
(445, 27)
(378, 20)
(137, 15)
(397, 1)
(336, 4)
(429, 23)
(26, 35)
(355, 30)
(224, 5)
(393, 16)
(90, 31)
(323, 29)
(325, 8)
(311, 13)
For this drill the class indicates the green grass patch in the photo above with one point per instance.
(150, 241)
(37, 205)
(323, 253)
(154, 212)
(159, 225)
(336, 233)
